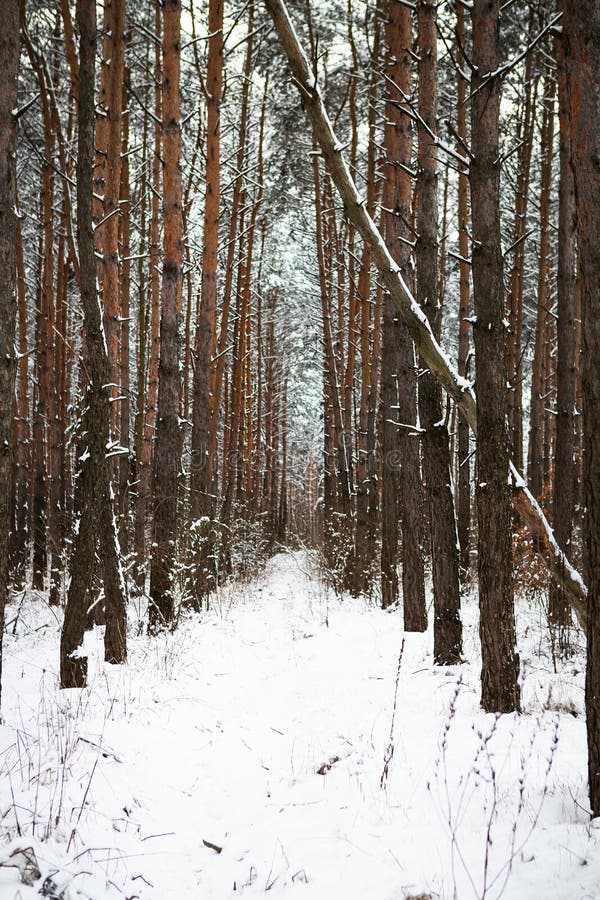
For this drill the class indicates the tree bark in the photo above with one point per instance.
(500, 664)
(95, 495)
(463, 499)
(365, 531)
(447, 626)
(582, 54)
(219, 359)
(167, 446)
(402, 492)
(9, 73)
(524, 139)
(125, 458)
(22, 458)
(148, 423)
(563, 500)
(108, 186)
(43, 524)
(202, 496)
(539, 372)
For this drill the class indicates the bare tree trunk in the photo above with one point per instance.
(56, 433)
(524, 139)
(362, 570)
(44, 407)
(539, 372)
(563, 501)
(447, 626)
(167, 446)
(463, 500)
(9, 54)
(402, 495)
(22, 460)
(202, 497)
(108, 186)
(582, 54)
(94, 479)
(500, 664)
(148, 423)
(124, 349)
(218, 364)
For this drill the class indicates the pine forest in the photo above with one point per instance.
(300, 449)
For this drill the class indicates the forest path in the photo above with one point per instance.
(283, 683)
(261, 727)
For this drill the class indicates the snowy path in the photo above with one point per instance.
(217, 734)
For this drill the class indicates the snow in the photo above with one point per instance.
(250, 751)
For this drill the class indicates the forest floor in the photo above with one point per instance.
(256, 750)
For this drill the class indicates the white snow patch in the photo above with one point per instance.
(212, 738)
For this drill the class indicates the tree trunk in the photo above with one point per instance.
(125, 311)
(524, 139)
(95, 495)
(22, 461)
(167, 445)
(563, 500)
(144, 463)
(108, 187)
(202, 498)
(9, 54)
(539, 373)
(402, 494)
(366, 525)
(463, 500)
(447, 626)
(218, 363)
(500, 664)
(582, 54)
(44, 408)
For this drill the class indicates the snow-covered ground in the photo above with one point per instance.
(265, 748)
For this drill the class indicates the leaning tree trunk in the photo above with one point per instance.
(582, 53)
(95, 495)
(167, 447)
(9, 54)
(447, 626)
(500, 664)
(414, 320)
